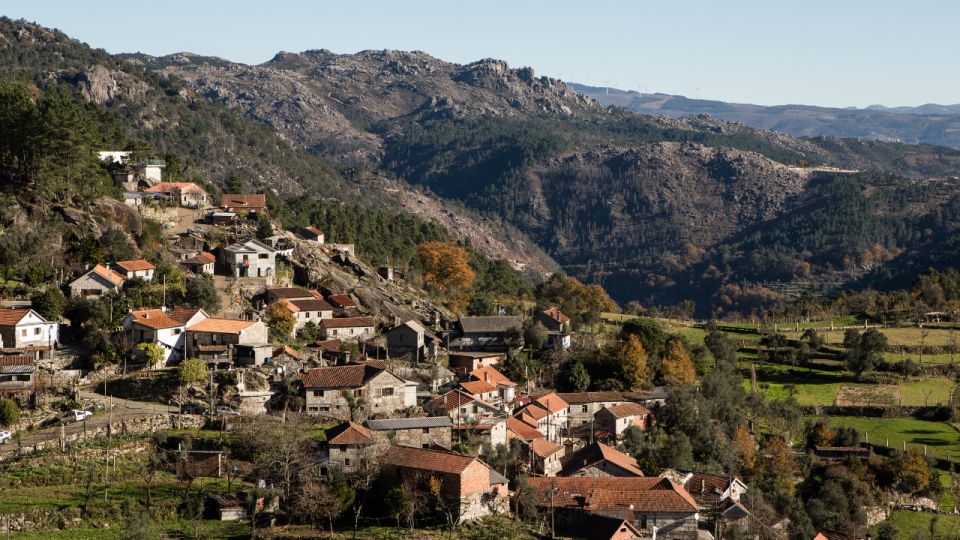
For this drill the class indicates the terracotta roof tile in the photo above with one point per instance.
(628, 409)
(349, 376)
(551, 402)
(10, 317)
(557, 315)
(451, 400)
(183, 314)
(167, 187)
(475, 388)
(239, 201)
(348, 322)
(597, 452)
(287, 350)
(203, 258)
(221, 326)
(311, 305)
(342, 300)
(289, 292)
(349, 433)
(428, 459)
(135, 265)
(154, 318)
(313, 230)
(654, 495)
(522, 430)
(491, 375)
(110, 275)
(544, 448)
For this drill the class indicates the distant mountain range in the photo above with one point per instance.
(524, 168)
(929, 124)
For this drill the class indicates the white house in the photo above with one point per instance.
(348, 328)
(313, 234)
(137, 268)
(201, 263)
(185, 194)
(251, 258)
(156, 326)
(26, 328)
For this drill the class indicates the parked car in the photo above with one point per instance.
(5, 437)
(80, 415)
(223, 410)
(192, 408)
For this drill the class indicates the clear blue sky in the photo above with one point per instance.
(835, 53)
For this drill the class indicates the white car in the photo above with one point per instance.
(80, 415)
(5, 437)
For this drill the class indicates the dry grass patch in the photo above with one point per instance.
(862, 395)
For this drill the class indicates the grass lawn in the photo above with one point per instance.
(944, 358)
(815, 387)
(909, 523)
(940, 438)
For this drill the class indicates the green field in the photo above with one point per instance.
(941, 439)
(910, 523)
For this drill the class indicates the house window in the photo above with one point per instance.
(425, 445)
(36, 331)
(177, 331)
(584, 409)
(426, 430)
(318, 393)
(346, 462)
(387, 391)
(23, 332)
(264, 256)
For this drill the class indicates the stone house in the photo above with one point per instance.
(185, 194)
(250, 258)
(227, 334)
(201, 263)
(414, 339)
(470, 487)
(96, 282)
(420, 432)
(17, 374)
(346, 443)
(615, 420)
(21, 328)
(306, 311)
(491, 430)
(711, 489)
(463, 362)
(487, 332)
(352, 328)
(135, 269)
(651, 505)
(582, 525)
(373, 390)
(597, 460)
(558, 328)
(156, 326)
(545, 457)
(583, 406)
(463, 408)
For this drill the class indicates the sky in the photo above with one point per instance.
(834, 53)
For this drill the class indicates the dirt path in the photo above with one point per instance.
(123, 409)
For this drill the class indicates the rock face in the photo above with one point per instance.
(326, 101)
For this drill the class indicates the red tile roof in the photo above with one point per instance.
(544, 448)
(239, 201)
(183, 314)
(289, 292)
(347, 322)
(154, 318)
(652, 495)
(342, 300)
(167, 187)
(10, 317)
(203, 258)
(110, 275)
(349, 433)
(491, 375)
(221, 326)
(287, 350)
(703, 485)
(628, 409)
(522, 430)
(551, 402)
(557, 315)
(451, 400)
(596, 452)
(310, 305)
(428, 459)
(135, 265)
(313, 230)
(349, 376)
(475, 388)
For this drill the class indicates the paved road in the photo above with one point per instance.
(122, 409)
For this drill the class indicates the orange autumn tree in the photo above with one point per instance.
(677, 365)
(446, 265)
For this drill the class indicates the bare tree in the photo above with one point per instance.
(148, 466)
